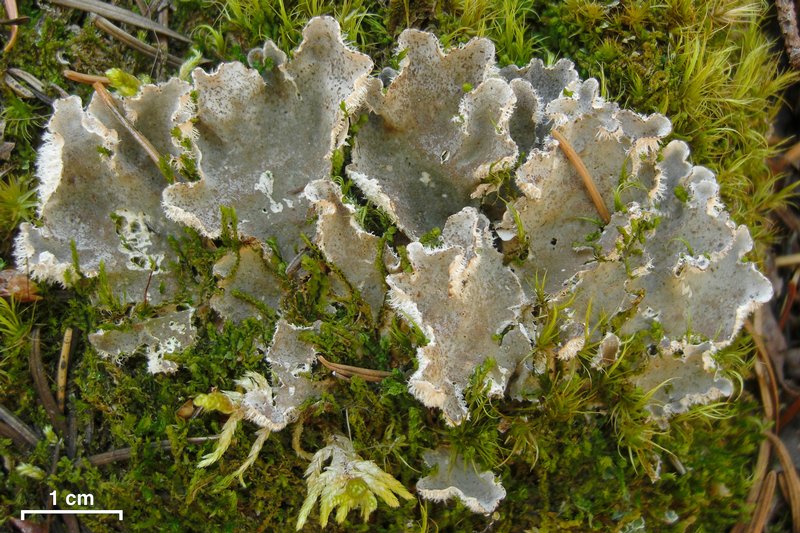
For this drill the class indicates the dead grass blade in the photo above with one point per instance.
(131, 41)
(120, 15)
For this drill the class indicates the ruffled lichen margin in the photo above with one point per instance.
(481, 439)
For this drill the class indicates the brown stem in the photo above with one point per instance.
(792, 480)
(761, 512)
(787, 20)
(146, 145)
(43, 387)
(123, 454)
(11, 13)
(20, 428)
(63, 366)
(88, 79)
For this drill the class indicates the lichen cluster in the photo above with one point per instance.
(489, 231)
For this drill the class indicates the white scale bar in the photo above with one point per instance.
(87, 511)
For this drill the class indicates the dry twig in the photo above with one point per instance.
(787, 260)
(12, 13)
(787, 19)
(22, 431)
(146, 145)
(63, 366)
(761, 513)
(765, 375)
(88, 79)
(123, 454)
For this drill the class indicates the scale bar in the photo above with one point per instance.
(71, 511)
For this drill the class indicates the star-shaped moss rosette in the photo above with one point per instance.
(347, 483)
(439, 129)
(468, 305)
(100, 195)
(258, 142)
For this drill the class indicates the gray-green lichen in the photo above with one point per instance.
(453, 477)
(468, 306)
(160, 337)
(258, 142)
(100, 195)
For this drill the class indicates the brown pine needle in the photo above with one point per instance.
(131, 41)
(88, 79)
(348, 371)
(119, 14)
(761, 513)
(43, 387)
(12, 13)
(759, 475)
(124, 454)
(21, 431)
(790, 260)
(588, 182)
(17, 20)
(792, 480)
(146, 145)
(765, 374)
(760, 471)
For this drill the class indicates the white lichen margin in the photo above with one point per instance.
(439, 129)
(259, 141)
(100, 195)
(442, 297)
(481, 492)
(160, 337)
